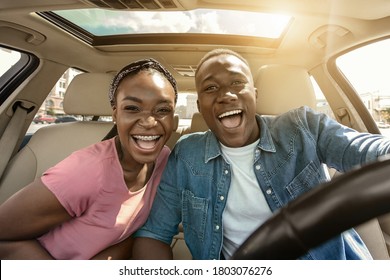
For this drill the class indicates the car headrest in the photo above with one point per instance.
(175, 122)
(87, 94)
(198, 123)
(282, 88)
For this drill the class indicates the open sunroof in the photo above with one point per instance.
(100, 22)
(200, 26)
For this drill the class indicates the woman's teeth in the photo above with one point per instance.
(146, 142)
(146, 138)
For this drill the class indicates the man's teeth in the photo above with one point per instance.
(146, 138)
(234, 112)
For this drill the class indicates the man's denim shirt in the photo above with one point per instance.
(288, 162)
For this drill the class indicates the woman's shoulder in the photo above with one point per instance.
(85, 161)
(96, 151)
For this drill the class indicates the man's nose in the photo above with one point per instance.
(227, 94)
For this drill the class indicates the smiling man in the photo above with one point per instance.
(224, 183)
(227, 99)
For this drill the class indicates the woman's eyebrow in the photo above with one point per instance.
(140, 100)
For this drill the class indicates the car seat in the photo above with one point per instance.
(86, 95)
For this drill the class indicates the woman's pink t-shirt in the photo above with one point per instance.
(90, 186)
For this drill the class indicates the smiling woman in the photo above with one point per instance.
(115, 179)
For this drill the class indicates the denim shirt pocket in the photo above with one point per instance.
(308, 178)
(194, 214)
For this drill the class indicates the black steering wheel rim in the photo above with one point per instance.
(347, 201)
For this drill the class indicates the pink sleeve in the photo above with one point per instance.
(74, 181)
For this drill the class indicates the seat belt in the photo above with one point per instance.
(10, 136)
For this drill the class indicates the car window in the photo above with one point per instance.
(186, 107)
(367, 69)
(8, 59)
(14, 67)
(322, 104)
(52, 110)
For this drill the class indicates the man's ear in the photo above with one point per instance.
(257, 92)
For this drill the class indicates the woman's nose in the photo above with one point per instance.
(147, 121)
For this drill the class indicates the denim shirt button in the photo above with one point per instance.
(226, 171)
(217, 227)
(221, 197)
(269, 191)
(258, 167)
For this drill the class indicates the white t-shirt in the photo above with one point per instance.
(246, 208)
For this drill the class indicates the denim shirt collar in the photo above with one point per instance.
(213, 149)
(266, 143)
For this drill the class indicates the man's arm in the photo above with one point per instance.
(151, 249)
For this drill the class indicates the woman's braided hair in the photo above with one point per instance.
(136, 67)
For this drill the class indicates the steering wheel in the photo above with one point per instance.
(315, 217)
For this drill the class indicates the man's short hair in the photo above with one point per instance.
(218, 52)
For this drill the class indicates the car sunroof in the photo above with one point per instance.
(102, 22)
